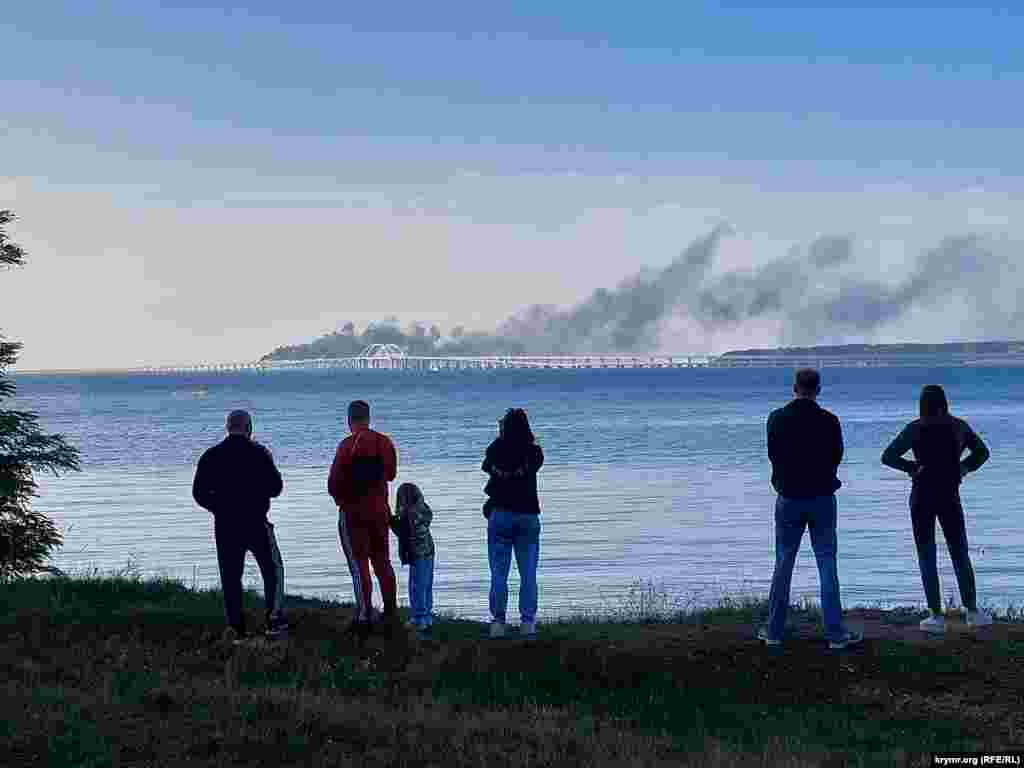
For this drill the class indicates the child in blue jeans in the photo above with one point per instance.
(411, 524)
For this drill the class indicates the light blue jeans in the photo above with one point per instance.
(791, 517)
(509, 532)
(421, 591)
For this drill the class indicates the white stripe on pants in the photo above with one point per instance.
(362, 610)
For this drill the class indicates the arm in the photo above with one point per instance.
(893, 455)
(390, 460)
(838, 448)
(773, 441)
(978, 452)
(335, 475)
(488, 465)
(202, 492)
(275, 483)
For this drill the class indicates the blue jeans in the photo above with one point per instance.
(518, 532)
(421, 591)
(791, 517)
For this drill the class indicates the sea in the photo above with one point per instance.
(655, 492)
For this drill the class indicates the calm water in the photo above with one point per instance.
(651, 476)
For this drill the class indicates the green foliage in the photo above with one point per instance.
(417, 340)
(26, 537)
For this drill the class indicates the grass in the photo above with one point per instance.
(125, 671)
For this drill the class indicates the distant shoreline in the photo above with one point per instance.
(976, 353)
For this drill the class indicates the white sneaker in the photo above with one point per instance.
(848, 639)
(528, 629)
(497, 629)
(933, 625)
(762, 635)
(979, 619)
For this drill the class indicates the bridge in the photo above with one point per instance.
(392, 357)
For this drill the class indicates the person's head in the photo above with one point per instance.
(807, 383)
(933, 402)
(358, 415)
(408, 495)
(515, 427)
(239, 422)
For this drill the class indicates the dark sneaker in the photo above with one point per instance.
(848, 640)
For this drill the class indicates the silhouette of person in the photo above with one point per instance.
(938, 440)
(805, 446)
(364, 463)
(235, 480)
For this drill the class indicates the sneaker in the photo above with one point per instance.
(977, 619)
(762, 635)
(528, 629)
(497, 629)
(848, 640)
(933, 625)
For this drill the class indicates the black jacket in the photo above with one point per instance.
(805, 445)
(513, 476)
(937, 443)
(236, 479)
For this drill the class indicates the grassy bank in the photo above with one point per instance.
(119, 672)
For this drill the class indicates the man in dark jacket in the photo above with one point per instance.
(805, 446)
(235, 480)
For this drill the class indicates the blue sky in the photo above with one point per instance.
(435, 134)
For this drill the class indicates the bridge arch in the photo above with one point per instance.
(383, 356)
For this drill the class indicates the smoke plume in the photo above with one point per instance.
(813, 294)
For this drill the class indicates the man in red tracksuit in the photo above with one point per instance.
(364, 464)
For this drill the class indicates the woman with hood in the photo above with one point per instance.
(938, 440)
(512, 510)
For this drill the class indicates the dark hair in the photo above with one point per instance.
(515, 427)
(933, 401)
(807, 380)
(359, 411)
(239, 421)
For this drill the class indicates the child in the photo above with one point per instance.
(411, 524)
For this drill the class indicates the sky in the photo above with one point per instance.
(202, 182)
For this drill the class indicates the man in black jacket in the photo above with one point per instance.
(805, 446)
(235, 480)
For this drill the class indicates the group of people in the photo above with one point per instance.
(805, 447)
(236, 479)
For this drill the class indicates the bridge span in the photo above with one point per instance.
(391, 357)
(442, 363)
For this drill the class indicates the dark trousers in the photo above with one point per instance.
(233, 541)
(925, 507)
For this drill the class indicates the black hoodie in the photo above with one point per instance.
(513, 476)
